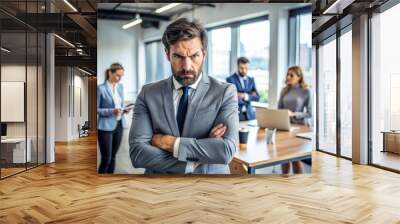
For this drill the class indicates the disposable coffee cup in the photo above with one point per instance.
(243, 135)
(270, 132)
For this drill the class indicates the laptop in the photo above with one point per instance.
(273, 118)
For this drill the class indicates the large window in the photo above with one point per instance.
(157, 65)
(346, 94)
(220, 53)
(256, 49)
(385, 84)
(231, 41)
(327, 97)
(300, 45)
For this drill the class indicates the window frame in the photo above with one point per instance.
(379, 10)
(235, 38)
(333, 37)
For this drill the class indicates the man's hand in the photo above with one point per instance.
(291, 114)
(218, 131)
(164, 142)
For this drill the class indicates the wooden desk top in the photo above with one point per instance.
(287, 146)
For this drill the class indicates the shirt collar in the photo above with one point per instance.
(110, 85)
(240, 77)
(177, 85)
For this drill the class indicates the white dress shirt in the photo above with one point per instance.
(116, 97)
(177, 94)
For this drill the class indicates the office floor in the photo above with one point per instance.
(9, 170)
(387, 159)
(71, 191)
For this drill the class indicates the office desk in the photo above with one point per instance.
(287, 148)
(391, 141)
(13, 150)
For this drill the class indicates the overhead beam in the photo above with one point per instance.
(81, 61)
(128, 15)
(84, 24)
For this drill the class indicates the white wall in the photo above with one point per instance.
(33, 126)
(117, 45)
(70, 83)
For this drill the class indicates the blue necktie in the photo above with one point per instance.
(245, 85)
(182, 108)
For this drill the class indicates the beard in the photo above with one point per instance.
(186, 77)
(242, 74)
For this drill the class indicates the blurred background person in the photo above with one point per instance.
(296, 97)
(246, 88)
(111, 117)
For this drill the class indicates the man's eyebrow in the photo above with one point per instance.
(177, 54)
(197, 52)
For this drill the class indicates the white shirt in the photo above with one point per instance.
(116, 97)
(176, 95)
(246, 96)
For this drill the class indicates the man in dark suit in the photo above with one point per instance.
(246, 88)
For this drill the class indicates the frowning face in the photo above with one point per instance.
(186, 58)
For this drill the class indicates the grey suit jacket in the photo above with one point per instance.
(214, 102)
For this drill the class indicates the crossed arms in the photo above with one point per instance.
(154, 150)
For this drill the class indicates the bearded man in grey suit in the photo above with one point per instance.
(189, 122)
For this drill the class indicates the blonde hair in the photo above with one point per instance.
(299, 72)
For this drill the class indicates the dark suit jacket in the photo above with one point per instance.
(250, 87)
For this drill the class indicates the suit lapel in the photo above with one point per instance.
(195, 102)
(168, 105)
(239, 84)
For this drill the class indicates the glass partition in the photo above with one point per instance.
(22, 88)
(327, 97)
(346, 94)
(385, 89)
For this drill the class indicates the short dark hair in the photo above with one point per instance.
(183, 29)
(242, 60)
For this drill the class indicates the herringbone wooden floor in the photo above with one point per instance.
(70, 191)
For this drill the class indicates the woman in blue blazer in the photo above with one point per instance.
(111, 117)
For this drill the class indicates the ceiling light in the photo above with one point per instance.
(86, 72)
(338, 6)
(135, 22)
(70, 5)
(5, 50)
(65, 41)
(167, 7)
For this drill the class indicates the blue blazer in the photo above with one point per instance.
(106, 120)
(250, 86)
